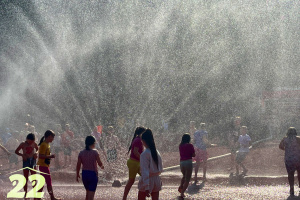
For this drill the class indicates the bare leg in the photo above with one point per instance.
(204, 169)
(237, 169)
(142, 195)
(185, 186)
(86, 195)
(90, 195)
(127, 188)
(244, 168)
(196, 169)
(291, 182)
(155, 195)
(26, 173)
(50, 191)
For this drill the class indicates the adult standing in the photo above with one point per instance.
(232, 137)
(291, 146)
(67, 138)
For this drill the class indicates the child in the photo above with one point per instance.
(151, 168)
(57, 145)
(201, 144)
(44, 160)
(97, 136)
(28, 155)
(245, 143)
(291, 146)
(133, 163)
(89, 158)
(186, 151)
(67, 137)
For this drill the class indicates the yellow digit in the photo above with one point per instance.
(39, 183)
(14, 193)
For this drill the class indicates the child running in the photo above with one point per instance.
(291, 146)
(29, 156)
(89, 158)
(133, 163)
(151, 168)
(187, 151)
(245, 143)
(44, 160)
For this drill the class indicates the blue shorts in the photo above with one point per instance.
(90, 180)
(30, 162)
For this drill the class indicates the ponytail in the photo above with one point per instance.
(147, 137)
(42, 140)
(138, 131)
(47, 134)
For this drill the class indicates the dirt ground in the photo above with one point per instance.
(266, 178)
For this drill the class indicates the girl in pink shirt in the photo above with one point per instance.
(133, 163)
(187, 151)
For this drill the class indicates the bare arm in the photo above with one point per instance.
(78, 169)
(281, 145)
(17, 151)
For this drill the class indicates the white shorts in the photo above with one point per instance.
(155, 184)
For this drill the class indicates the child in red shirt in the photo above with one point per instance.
(187, 151)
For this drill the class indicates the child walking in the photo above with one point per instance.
(245, 143)
(187, 151)
(29, 156)
(45, 157)
(151, 168)
(133, 163)
(291, 146)
(89, 158)
(201, 145)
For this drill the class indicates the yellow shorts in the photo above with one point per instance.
(134, 168)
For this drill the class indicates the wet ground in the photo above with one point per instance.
(266, 179)
(206, 191)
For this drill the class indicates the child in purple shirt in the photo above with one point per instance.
(187, 151)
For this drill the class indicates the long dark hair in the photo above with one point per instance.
(147, 137)
(47, 134)
(138, 131)
(186, 138)
(89, 140)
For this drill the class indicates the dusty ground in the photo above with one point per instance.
(266, 180)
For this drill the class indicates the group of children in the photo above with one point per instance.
(147, 163)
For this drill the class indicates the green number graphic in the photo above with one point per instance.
(14, 193)
(38, 179)
(39, 183)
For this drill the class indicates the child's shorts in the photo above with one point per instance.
(133, 167)
(201, 155)
(47, 176)
(240, 157)
(90, 180)
(155, 184)
(30, 162)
